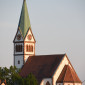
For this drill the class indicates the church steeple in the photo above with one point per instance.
(24, 41)
(24, 22)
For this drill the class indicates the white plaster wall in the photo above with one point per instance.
(26, 39)
(77, 84)
(22, 48)
(26, 57)
(68, 83)
(59, 84)
(20, 58)
(31, 53)
(44, 81)
(59, 69)
(16, 37)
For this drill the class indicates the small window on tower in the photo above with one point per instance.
(18, 62)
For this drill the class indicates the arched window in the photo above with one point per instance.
(18, 48)
(27, 48)
(47, 83)
(18, 62)
(31, 47)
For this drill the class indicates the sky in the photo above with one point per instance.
(58, 27)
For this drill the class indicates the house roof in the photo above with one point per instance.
(24, 22)
(68, 75)
(42, 66)
(2, 82)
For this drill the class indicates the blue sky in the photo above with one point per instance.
(58, 27)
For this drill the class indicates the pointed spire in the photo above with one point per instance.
(24, 0)
(24, 22)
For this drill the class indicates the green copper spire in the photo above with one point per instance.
(24, 22)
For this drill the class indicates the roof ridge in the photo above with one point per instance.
(49, 54)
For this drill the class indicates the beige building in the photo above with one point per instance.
(48, 69)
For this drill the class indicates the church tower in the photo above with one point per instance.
(24, 41)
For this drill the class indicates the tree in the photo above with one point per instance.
(31, 80)
(4, 73)
(12, 77)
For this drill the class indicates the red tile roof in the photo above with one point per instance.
(68, 75)
(42, 66)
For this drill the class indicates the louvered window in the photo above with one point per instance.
(29, 48)
(18, 48)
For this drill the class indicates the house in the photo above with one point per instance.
(3, 82)
(48, 69)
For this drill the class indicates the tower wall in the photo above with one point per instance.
(18, 61)
(18, 56)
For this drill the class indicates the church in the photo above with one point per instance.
(48, 69)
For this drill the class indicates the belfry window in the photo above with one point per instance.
(18, 48)
(29, 48)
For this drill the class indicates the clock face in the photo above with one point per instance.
(18, 37)
(29, 37)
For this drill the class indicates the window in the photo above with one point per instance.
(29, 48)
(18, 48)
(18, 62)
(47, 83)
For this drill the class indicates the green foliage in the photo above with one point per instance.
(31, 80)
(13, 78)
